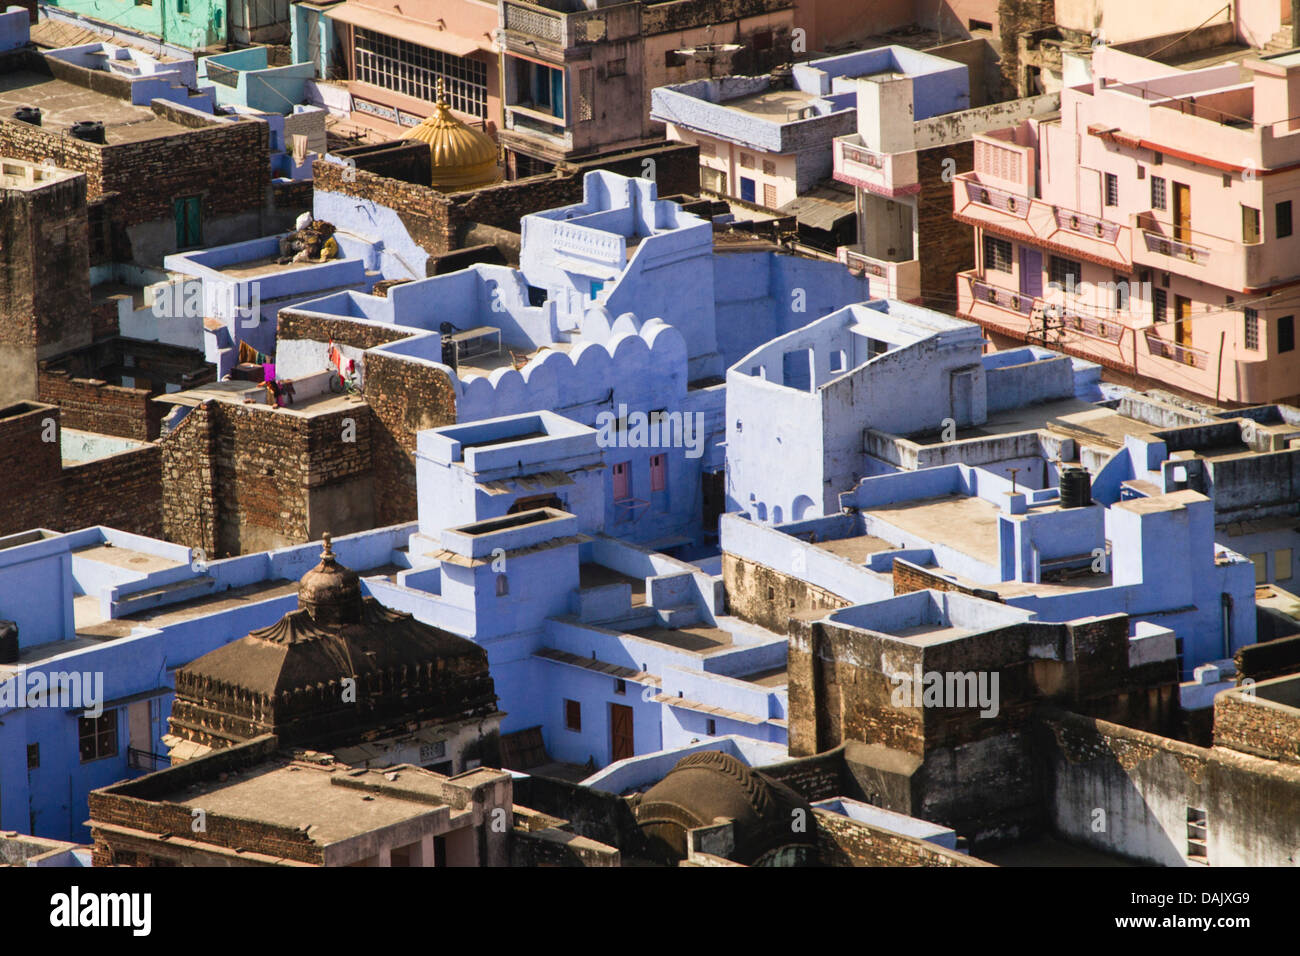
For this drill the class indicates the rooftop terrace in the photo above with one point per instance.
(63, 104)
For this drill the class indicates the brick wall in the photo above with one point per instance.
(405, 397)
(189, 467)
(845, 842)
(762, 596)
(1258, 726)
(943, 248)
(909, 577)
(559, 848)
(30, 468)
(122, 491)
(95, 406)
(813, 778)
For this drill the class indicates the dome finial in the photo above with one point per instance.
(440, 96)
(327, 552)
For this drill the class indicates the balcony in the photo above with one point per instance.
(885, 174)
(556, 29)
(1038, 223)
(1164, 246)
(1172, 351)
(1006, 299)
(886, 279)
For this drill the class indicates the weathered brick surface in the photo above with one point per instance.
(767, 597)
(122, 491)
(1257, 726)
(845, 842)
(944, 248)
(95, 406)
(909, 577)
(239, 475)
(1014, 18)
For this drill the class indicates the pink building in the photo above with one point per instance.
(1151, 228)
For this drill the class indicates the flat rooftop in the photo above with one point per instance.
(483, 365)
(304, 796)
(964, 523)
(1069, 416)
(779, 105)
(234, 392)
(62, 104)
(700, 640)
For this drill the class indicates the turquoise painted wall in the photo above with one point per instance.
(193, 24)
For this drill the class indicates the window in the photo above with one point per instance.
(707, 149)
(711, 727)
(746, 161)
(1198, 835)
(769, 167)
(620, 686)
(1282, 565)
(572, 715)
(674, 58)
(979, 25)
(183, 6)
(838, 360)
(658, 472)
(414, 70)
(503, 585)
(997, 254)
(1065, 273)
(1260, 561)
(1121, 293)
(1250, 329)
(762, 40)
(33, 756)
(97, 736)
(1112, 189)
(713, 180)
(1286, 333)
(769, 195)
(1158, 200)
(1159, 305)
(1282, 214)
(1249, 224)
(617, 67)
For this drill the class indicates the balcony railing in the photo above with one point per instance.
(1002, 200)
(1175, 248)
(1183, 354)
(1086, 225)
(1002, 298)
(872, 267)
(533, 22)
(1110, 330)
(145, 760)
(863, 157)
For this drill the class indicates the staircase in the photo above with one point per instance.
(1281, 41)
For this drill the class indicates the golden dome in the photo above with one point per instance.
(463, 157)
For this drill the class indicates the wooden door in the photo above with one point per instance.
(1031, 272)
(1182, 212)
(1182, 320)
(621, 743)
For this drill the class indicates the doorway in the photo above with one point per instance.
(1182, 212)
(1183, 320)
(621, 745)
(1031, 272)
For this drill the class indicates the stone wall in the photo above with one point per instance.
(1132, 793)
(1014, 18)
(909, 577)
(559, 848)
(241, 478)
(769, 598)
(845, 842)
(30, 468)
(123, 491)
(1256, 725)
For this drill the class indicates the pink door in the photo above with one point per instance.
(620, 481)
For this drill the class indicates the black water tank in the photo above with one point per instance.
(92, 131)
(8, 642)
(1076, 488)
(28, 114)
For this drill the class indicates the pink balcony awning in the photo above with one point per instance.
(404, 28)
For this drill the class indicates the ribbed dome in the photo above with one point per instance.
(463, 157)
(330, 592)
